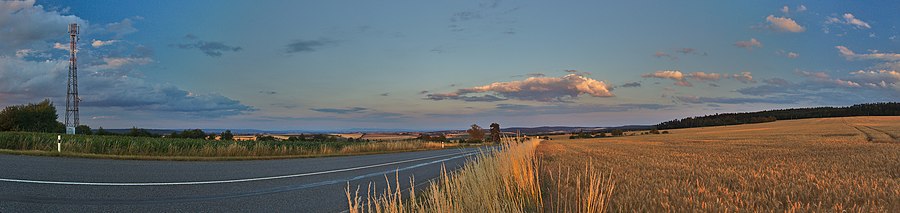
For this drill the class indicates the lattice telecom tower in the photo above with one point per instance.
(72, 85)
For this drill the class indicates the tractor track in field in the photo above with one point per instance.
(895, 137)
(875, 135)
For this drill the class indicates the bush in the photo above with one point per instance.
(83, 130)
(654, 131)
(665, 132)
(618, 132)
(40, 117)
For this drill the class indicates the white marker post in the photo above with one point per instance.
(58, 143)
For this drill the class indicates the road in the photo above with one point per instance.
(55, 184)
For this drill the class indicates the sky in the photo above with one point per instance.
(425, 65)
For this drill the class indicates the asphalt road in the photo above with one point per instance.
(54, 184)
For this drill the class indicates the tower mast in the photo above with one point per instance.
(72, 85)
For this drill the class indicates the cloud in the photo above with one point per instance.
(454, 96)
(850, 55)
(801, 8)
(340, 110)
(526, 75)
(268, 92)
(681, 78)
(848, 19)
(670, 74)
(793, 55)
(883, 79)
(29, 80)
(748, 44)
(210, 48)
(121, 28)
(25, 25)
(660, 54)
(744, 77)
(785, 9)
(702, 76)
(733, 100)
(306, 45)
(100, 43)
(116, 63)
(60, 46)
(385, 94)
(665, 74)
(690, 51)
(684, 84)
(783, 24)
(632, 84)
(777, 81)
(544, 89)
(817, 75)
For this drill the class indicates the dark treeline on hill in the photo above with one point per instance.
(873, 109)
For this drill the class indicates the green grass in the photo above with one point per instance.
(122, 147)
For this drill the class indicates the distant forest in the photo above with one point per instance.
(873, 109)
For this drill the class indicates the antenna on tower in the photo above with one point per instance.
(72, 85)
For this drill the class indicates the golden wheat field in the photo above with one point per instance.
(821, 165)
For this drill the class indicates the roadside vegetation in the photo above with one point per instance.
(185, 148)
(849, 164)
(510, 179)
(33, 129)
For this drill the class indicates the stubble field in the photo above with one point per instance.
(831, 164)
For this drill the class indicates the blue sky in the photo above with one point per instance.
(326, 65)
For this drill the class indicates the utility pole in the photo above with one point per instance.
(72, 84)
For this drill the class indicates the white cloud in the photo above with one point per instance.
(801, 8)
(545, 89)
(785, 9)
(28, 26)
(875, 55)
(783, 24)
(61, 46)
(666, 74)
(100, 43)
(748, 44)
(848, 19)
(116, 63)
(793, 55)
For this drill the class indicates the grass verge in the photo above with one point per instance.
(143, 148)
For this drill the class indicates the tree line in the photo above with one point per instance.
(870, 109)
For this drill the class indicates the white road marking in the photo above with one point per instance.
(228, 181)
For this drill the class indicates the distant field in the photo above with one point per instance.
(122, 147)
(820, 165)
(387, 136)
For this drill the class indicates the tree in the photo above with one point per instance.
(101, 131)
(476, 133)
(227, 136)
(265, 138)
(495, 132)
(83, 130)
(140, 132)
(192, 133)
(40, 117)
(618, 132)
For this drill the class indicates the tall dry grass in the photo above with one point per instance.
(507, 179)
